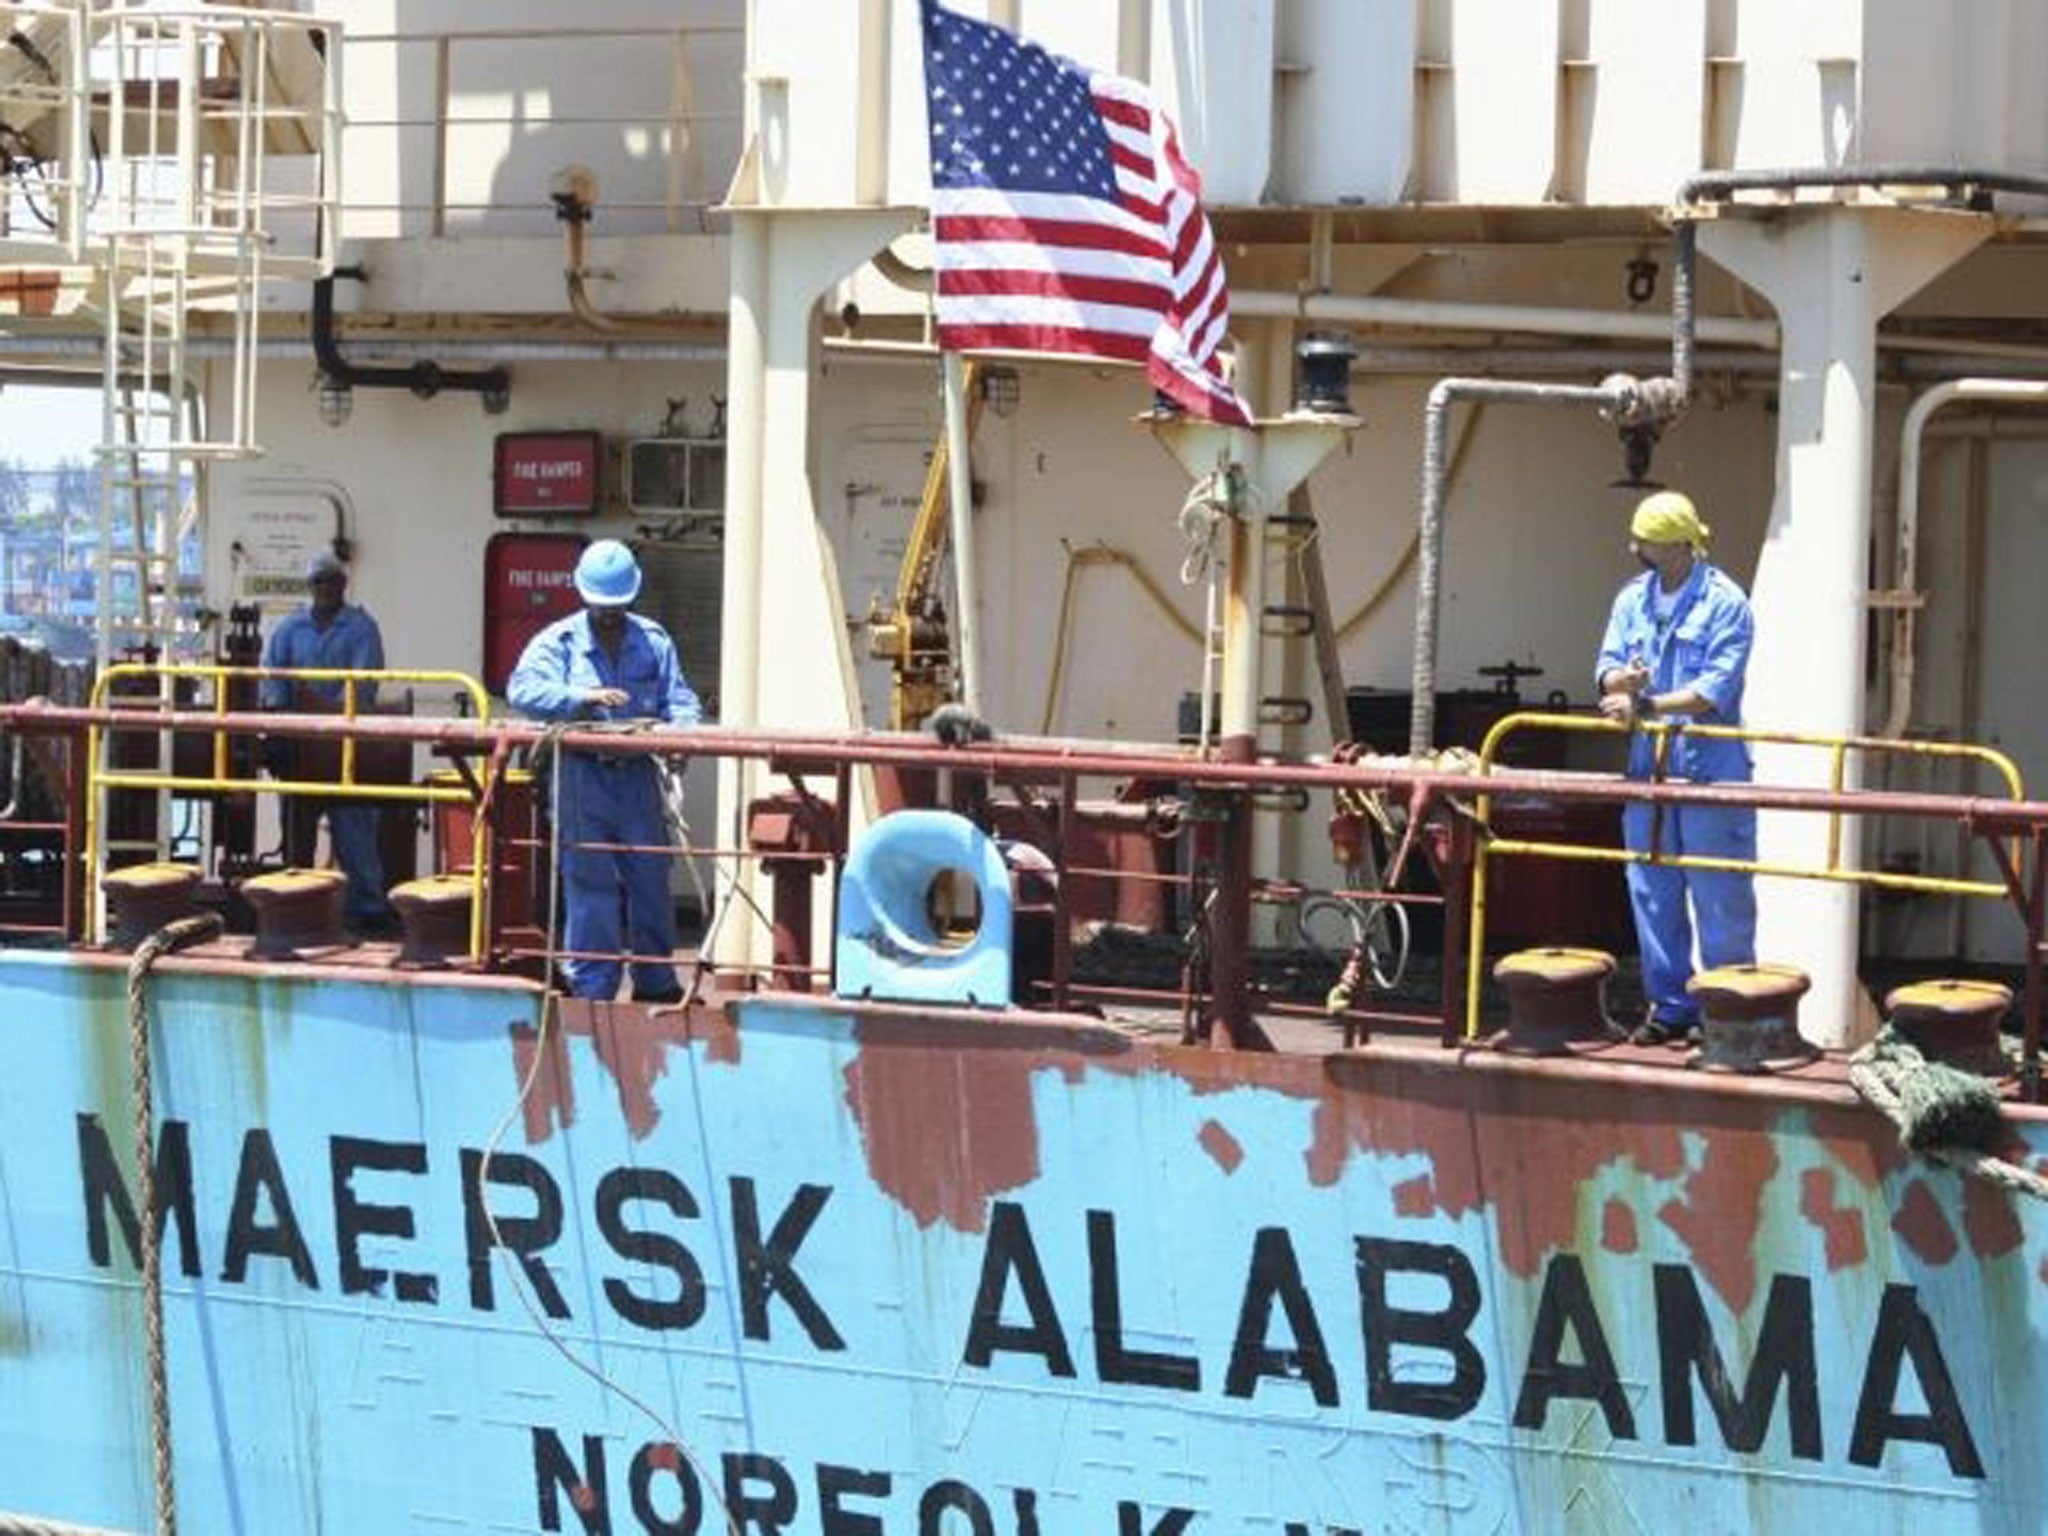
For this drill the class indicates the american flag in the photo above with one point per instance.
(1066, 218)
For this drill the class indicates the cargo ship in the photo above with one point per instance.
(1193, 1089)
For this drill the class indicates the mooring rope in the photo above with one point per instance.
(174, 935)
(1942, 1112)
(29, 1525)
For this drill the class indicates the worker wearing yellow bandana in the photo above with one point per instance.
(1677, 649)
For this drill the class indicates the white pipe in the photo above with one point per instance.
(287, 348)
(1906, 524)
(1457, 314)
(746, 392)
(871, 107)
(960, 499)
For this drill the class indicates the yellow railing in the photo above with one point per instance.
(101, 779)
(1838, 748)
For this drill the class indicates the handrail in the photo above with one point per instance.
(678, 116)
(116, 713)
(1037, 770)
(1839, 747)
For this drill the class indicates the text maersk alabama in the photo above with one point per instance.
(643, 1215)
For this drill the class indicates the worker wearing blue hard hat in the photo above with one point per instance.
(1676, 651)
(607, 663)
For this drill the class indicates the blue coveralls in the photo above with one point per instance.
(352, 642)
(1703, 646)
(603, 799)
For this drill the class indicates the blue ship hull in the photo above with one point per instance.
(432, 1267)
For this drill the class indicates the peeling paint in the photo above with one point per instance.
(1414, 1197)
(1722, 1209)
(1846, 1243)
(1989, 1220)
(544, 1083)
(1216, 1140)
(632, 1041)
(1618, 1228)
(946, 1129)
(1922, 1227)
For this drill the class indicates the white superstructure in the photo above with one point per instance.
(1475, 187)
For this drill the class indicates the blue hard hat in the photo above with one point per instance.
(607, 574)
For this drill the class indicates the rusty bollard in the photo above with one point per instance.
(296, 910)
(1556, 997)
(435, 913)
(1955, 1022)
(142, 898)
(1749, 1017)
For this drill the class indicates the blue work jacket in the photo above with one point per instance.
(562, 663)
(1703, 646)
(350, 642)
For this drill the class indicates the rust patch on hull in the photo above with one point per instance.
(1722, 1208)
(1469, 1126)
(1618, 1228)
(1990, 1220)
(947, 1123)
(1923, 1228)
(632, 1041)
(1217, 1141)
(1841, 1227)
(1412, 1197)
(547, 1091)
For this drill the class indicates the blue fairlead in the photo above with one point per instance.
(925, 913)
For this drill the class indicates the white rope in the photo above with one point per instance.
(550, 1009)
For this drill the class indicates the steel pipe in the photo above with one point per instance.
(1904, 631)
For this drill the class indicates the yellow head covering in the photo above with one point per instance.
(1667, 517)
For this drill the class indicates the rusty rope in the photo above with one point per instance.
(175, 935)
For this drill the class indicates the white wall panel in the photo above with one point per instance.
(1795, 93)
(1503, 142)
(803, 60)
(1212, 68)
(1937, 90)
(1644, 99)
(1346, 106)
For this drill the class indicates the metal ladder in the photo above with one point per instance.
(185, 161)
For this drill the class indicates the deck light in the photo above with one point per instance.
(337, 400)
(1000, 389)
(1323, 381)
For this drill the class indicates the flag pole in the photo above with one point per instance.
(960, 524)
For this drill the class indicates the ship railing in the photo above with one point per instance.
(765, 875)
(688, 119)
(2007, 844)
(160, 698)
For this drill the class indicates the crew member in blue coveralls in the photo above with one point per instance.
(607, 663)
(1676, 649)
(328, 634)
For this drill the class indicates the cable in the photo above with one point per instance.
(550, 1012)
(1077, 561)
(1369, 922)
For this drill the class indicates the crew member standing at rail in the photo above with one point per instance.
(608, 663)
(330, 635)
(1676, 649)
